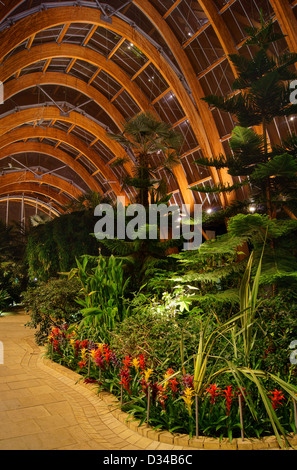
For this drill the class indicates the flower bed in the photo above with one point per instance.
(167, 400)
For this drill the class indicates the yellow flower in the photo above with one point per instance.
(72, 341)
(93, 353)
(135, 363)
(188, 395)
(168, 374)
(147, 374)
(83, 353)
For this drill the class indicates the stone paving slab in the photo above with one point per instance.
(43, 409)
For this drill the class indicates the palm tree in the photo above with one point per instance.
(88, 201)
(145, 138)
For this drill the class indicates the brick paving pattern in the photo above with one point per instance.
(42, 408)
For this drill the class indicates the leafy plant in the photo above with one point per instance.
(51, 304)
(52, 247)
(103, 289)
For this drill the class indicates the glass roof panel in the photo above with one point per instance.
(218, 80)
(47, 35)
(76, 33)
(193, 171)
(106, 84)
(83, 70)
(103, 41)
(186, 18)
(129, 58)
(169, 109)
(151, 82)
(126, 105)
(190, 140)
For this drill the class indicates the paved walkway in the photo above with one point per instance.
(43, 409)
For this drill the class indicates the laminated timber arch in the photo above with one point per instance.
(287, 21)
(72, 51)
(25, 58)
(31, 132)
(59, 199)
(210, 140)
(221, 30)
(30, 202)
(204, 128)
(38, 113)
(51, 180)
(215, 19)
(14, 86)
(39, 147)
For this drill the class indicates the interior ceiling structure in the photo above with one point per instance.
(75, 70)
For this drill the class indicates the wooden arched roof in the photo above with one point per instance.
(72, 71)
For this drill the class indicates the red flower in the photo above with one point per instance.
(229, 397)
(144, 385)
(161, 396)
(98, 358)
(84, 343)
(106, 353)
(241, 392)
(173, 385)
(213, 391)
(82, 364)
(127, 361)
(76, 346)
(155, 389)
(55, 331)
(88, 380)
(277, 397)
(125, 380)
(142, 361)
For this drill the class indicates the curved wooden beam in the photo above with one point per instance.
(53, 50)
(42, 206)
(51, 180)
(35, 189)
(7, 8)
(287, 21)
(14, 86)
(38, 147)
(220, 28)
(34, 114)
(57, 16)
(27, 59)
(208, 138)
(26, 27)
(58, 135)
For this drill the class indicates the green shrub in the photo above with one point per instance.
(51, 304)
